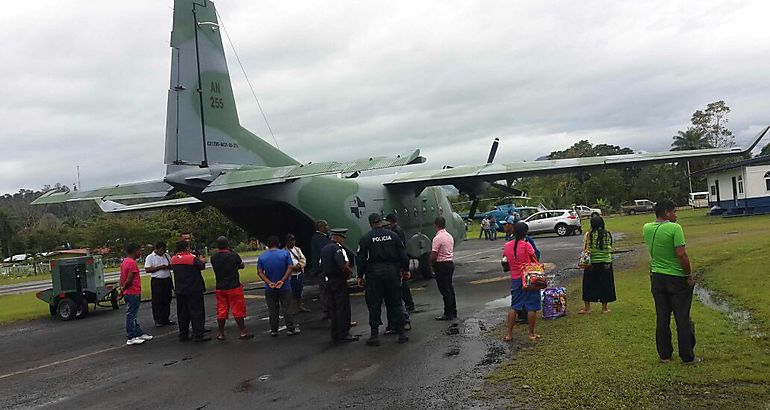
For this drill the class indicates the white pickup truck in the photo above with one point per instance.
(587, 212)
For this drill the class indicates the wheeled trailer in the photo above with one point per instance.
(76, 283)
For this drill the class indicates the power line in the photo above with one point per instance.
(253, 93)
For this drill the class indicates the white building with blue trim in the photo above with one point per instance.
(739, 188)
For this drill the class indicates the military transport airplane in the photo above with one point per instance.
(215, 161)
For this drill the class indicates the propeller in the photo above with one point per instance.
(473, 196)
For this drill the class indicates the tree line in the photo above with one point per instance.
(610, 188)
(25, 228)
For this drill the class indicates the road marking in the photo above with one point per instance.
(253, 297)
(97, 352)
(480, 253)
(490, 280)
(71, 359)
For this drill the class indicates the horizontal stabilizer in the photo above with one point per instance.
(250, 177)
(114, 207)
(139, 190)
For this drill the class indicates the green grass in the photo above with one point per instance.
(21, 307)
(609, 361)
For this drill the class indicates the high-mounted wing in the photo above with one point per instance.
(243, 178)
(115, 207)
(463, 176)
(139, 190)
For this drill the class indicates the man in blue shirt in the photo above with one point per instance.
(274, 268)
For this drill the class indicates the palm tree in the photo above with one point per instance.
(765, 150)
(690, 139)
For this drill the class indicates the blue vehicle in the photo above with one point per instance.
(501, 212)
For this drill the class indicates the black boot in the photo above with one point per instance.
(373, 339)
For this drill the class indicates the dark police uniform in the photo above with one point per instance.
(406, 293)
(333, 260)
(381, 257)
(318, 242)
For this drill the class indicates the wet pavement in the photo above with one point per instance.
(85, 363)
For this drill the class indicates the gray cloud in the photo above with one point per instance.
(86, 82)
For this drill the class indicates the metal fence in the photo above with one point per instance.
(26, 269)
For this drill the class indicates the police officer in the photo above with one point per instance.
(335, 266)
(381, 257)
(319, 240)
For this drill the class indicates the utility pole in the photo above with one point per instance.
(689, 176)
(78, 168)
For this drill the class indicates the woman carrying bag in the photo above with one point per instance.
(519, 253)
(598, 276)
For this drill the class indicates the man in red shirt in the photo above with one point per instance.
(189, 288)
(131, 286)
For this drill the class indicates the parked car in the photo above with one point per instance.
(587, 212)
(639, 206)
(562, 221)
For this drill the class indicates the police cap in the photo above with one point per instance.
(339, 231)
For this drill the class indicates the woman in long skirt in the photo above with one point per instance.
(598, 278)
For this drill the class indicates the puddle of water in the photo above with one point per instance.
(741, 318)
(498, 303)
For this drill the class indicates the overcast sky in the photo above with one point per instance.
(84, 82)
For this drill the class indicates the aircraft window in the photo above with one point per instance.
(416, 212)
(433, 210)
(441, 210)
(424, 210)
(406, 212)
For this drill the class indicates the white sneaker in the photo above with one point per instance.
(135, 341)
(145, 337)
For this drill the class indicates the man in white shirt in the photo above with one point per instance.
(298, 258)
(158, 265)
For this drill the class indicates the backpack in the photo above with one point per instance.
(554, 303)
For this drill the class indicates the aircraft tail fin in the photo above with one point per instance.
(202, 125)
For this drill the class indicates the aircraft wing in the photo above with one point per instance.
(245, 177)
(115, 207)
(468, 175)
(138, 190)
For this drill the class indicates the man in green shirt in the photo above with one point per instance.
(671, 282)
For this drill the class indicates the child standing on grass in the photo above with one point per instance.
(518, 252)
(598, 278)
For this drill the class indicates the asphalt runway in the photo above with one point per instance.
(86, 364)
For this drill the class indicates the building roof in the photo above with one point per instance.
(765, 159)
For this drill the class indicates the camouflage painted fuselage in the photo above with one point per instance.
(294, 207)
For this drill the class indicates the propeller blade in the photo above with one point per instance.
(493, 151)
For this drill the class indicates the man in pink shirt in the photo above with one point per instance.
(442, 256)
(131, 286)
